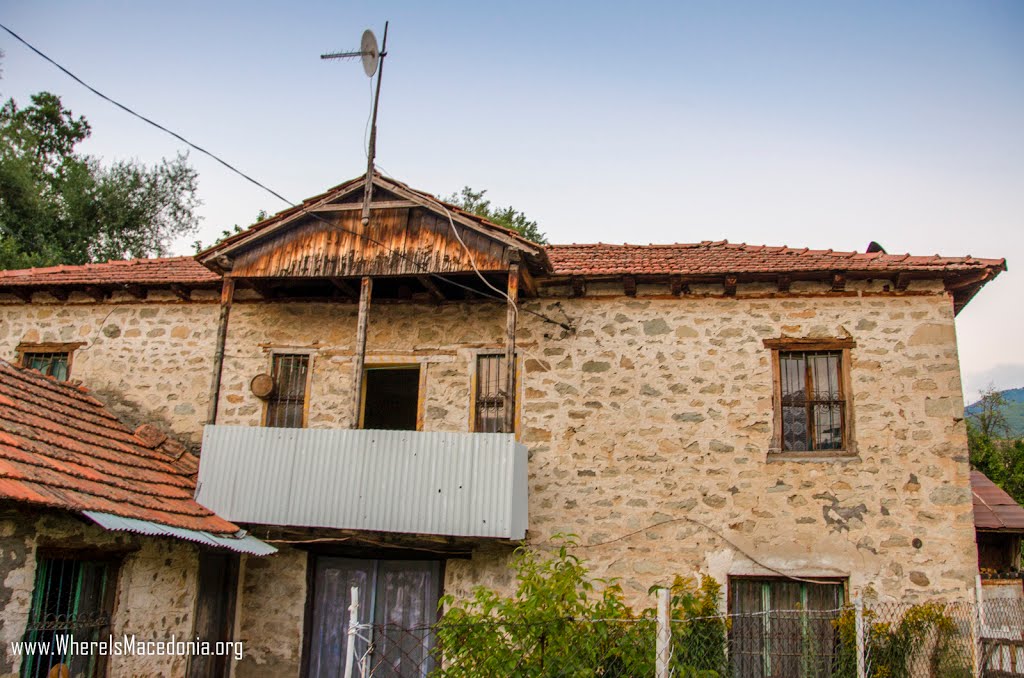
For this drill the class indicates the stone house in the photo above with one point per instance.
(100, 537)
(396, 393)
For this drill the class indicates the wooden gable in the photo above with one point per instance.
(408, 234)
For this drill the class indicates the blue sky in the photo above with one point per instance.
(822, 124)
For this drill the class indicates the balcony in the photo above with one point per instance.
(414, 482)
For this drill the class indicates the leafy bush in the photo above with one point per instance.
(560, 622)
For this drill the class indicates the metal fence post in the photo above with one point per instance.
(977, 626)
(664, 638)
(353, 629)
(862, 663)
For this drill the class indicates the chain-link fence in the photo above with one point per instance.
(876, 640)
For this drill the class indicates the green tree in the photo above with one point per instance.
(509, 217)
(61, 207)
(990, 417)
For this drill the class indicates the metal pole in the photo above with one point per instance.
(372, 151)
(664, 638)
(353, 629)
(862, 664)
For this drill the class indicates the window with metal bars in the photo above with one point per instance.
(72, 597)
(784, 628)
(813, 406)
(491, 396)
(55, 364)
(286, 406)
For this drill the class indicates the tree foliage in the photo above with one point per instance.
(58, 206)
(509, 217)
(560, 622)
(1000, 459)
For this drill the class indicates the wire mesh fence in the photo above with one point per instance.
(878, 640)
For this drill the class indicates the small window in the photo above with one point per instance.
(782, 627)
(812, 405)
(286, 406)
(50, 359)
(72, 597)
(391, 398)
(491, 397)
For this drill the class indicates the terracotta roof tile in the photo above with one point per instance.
(720, 257)
(994, 509)
(61, 447)
(165, 271)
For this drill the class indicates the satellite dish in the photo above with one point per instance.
(369, 52)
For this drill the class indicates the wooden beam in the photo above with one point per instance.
(181, 291)
(838, 282)
(969, 280)
(527, 282)
(355, 207)
(137, 291)
(629, 285)
(675, 283)
(784, 281)
(730, 285)
(365, 292)
(902, 281)
(435, 292)
(345, 287)
(510, 348)
(58, 293)
(227, 296)
(579, 286)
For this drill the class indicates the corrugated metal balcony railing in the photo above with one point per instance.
(456, 484)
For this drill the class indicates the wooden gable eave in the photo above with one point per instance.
(409, 234)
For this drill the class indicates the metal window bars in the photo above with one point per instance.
(491, 396)
(287, 403)
(813, 416)
(54, 363)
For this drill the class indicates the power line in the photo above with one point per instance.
(303, 209)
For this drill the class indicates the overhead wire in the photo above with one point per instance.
(279, 196)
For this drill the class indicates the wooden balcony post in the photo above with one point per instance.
(510, 349)
(227, 294)
(365, 291)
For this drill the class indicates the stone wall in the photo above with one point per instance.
(156, 585)
(149, 361)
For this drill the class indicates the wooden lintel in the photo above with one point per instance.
(527, 282)
(365, 292)
(902, 281)
(137, 291)
(96, 292)
(629, 285)
(345, 287)
(784, 281)
(435, 292)
(181, 291)
(58, 293)
(730, 285)
(838, 282)
(579, 286)
(355, 207)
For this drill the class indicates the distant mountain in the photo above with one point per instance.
(1014, 410)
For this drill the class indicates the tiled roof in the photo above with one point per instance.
(721, 257)
(165, 271)
(994, 509)
(61, 447)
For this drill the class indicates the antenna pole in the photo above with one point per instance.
(372, 153)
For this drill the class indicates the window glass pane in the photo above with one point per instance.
(53, 364)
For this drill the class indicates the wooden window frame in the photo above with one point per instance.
(842, 346)
(517, 401)
(310, 355)
(26, 348)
